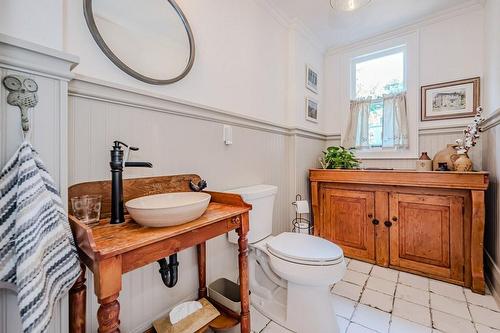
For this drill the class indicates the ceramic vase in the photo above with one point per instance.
(463, 163)
(447, 155)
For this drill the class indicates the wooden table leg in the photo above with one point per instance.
(477, 242)
(107, 285)
(108, 315)
(78, 303)
(201, 250)
(243, 270)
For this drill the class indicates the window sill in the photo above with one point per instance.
(385, 154)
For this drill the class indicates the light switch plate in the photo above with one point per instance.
(228, 134)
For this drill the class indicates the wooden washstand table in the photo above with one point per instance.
(110, 251)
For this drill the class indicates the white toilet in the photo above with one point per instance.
(290, 274)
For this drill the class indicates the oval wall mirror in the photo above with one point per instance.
(150, 40)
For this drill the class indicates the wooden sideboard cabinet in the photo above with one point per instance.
(428, 223)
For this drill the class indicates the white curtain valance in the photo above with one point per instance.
(357, 134)
(394, 124)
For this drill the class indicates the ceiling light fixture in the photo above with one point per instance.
(348, 5)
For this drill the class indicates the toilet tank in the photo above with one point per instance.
(261, 197)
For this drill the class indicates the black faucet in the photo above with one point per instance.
(117, 164)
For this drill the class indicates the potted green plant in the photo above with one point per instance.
(338, 157)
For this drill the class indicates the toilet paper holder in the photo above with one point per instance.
(301, 224)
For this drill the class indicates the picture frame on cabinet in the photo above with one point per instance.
(450, 100)
(312, 79)
(311, 110)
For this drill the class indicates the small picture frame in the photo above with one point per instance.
(311, 79)
(311, 110)
(449, 100)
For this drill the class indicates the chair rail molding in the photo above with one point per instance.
(51, 69)
(96, 89)
(491, 120)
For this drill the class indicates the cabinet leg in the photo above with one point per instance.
(243, 270)
(108, 315)
(77, 303)
(201, 250)
(477, 242)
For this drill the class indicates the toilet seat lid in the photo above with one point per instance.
(304, 248)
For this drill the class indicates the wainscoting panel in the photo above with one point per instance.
(51, 70)
(491, 162)
(306, 154)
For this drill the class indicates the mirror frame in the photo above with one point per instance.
(89, 17)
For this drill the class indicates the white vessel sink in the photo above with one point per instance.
(168, 209)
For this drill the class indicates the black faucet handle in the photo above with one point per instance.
(138, 164)
(202, 184)
(118, 143)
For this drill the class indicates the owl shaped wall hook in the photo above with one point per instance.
(22, 93)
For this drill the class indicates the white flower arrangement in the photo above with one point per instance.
(471, 133)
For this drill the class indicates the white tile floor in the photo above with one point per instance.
(372, 299)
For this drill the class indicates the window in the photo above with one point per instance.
(372, 77)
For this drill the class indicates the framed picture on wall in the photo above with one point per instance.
(311, 110)
(311, 79)
(448, 100)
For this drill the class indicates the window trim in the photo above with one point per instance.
(375, 55)
(371, 56)
(374, 46)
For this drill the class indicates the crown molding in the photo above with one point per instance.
(18, 54)
(275, 12)
(299, 26)
(294, 24)
(409, 28)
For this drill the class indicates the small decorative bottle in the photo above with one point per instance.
(424, 163)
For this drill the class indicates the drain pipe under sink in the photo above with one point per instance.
(169, 272)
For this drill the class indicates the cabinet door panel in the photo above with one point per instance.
(348, 216)
(427, 234)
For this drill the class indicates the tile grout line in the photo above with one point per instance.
(394, 301)
(468, 309)
(398, 282)
(356, 303)
(430, 305)
(364, 287)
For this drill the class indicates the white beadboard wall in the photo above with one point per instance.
(306, 152)
(51, 70)
(491, 140)
(491, 160)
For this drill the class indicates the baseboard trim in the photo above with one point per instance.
(493, 278)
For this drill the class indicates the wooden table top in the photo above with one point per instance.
(105, 240)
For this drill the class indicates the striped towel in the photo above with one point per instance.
(37, 252)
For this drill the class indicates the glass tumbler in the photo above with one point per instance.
(87, 208)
